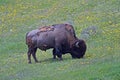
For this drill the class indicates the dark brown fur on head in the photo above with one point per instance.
(79, 49)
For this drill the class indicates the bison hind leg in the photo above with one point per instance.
(34, 54)
(29, 55)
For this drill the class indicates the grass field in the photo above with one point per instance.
(102, 59)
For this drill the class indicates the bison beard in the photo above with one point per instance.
(60, 37)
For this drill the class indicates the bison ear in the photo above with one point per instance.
(77, 44)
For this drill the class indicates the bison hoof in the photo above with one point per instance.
(37, 61)
(54, 58)
(61, 59)
(29, 62)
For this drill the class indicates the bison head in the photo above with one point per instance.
(78, 49)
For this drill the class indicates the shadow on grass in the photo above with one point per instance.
(51, 60)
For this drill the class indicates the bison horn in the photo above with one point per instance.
(77, 44)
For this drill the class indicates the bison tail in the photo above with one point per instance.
(28, 41)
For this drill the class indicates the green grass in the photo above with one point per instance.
(101, 61)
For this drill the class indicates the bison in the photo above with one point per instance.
(60, 37)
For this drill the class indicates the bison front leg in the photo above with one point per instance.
(58, 53)
(54, 54)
